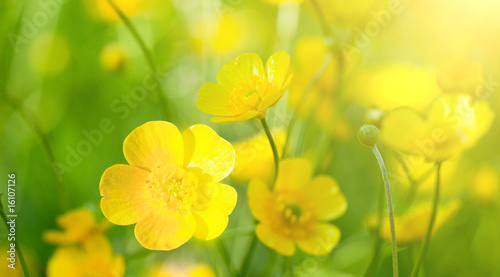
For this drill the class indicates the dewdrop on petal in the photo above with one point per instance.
(368, 135)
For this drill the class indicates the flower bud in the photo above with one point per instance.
(368, 135)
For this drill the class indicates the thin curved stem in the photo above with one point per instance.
(387, 186)
(147, 54)
(248, 257)
(432, 221)
(20, 254)
(324, 65)
(225, 258)
(31, 120)
(273, 146)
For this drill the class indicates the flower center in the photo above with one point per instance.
(246, 96)
(172, 188)
(292, 213)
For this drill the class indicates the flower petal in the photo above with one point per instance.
(240, 70)
(260, 200)
(162, 229)
(277, 67)
(154, 143)
(321, 242)
(213, 99)
(281, 244)
(212, 221)
(204, 149)
(271, 99)
(230, 119)
(327, 199)
(124, 197)
(293, 174)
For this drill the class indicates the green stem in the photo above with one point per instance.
(432, 221)
(387, 186)
(225, 257)
(17, 247)
(31, 120)
(147, 54)
(273, 146)
(324, 65)
(238, 232)
(248, 257)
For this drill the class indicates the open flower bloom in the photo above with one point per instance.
(412, 225)
(298, 210)
(454, 123)
(245, 88)
(254, 157)
(171, 188)
(79, 225)
(94, 257)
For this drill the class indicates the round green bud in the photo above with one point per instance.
(368, 135)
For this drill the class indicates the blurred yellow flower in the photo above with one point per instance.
(412, 225)
(348, 14)
(180, 270)
(460, 75)
(245, 88)
(394, 85)
(224, 34)
(113, 58)
(254, 157)
(171, 188)
(94, 257)
(486, 184)
(9, 256)
(79, 225)
(103, 10)
(454, 123)
(298, 209)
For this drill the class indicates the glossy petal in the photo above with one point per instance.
(231, 119)
(212, 221)
(401, 129)
(240, 70)
(272, 239)
(327, 199)
(124, 197)
(293, 174)
(213, 99)
(277, 67)
(273, 98)
(154, 143)
(260, 200)
(322, 241)
(162, 229)
(204, 149)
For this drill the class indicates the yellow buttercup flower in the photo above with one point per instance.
(94, 257)
(171, 188)
(79, 225)
(84, 250)
(393, 85)
(460, 75)
(454, 123)
(486, 184)
(254, 157)
(103, 9)
(412, 226)
(180, 270)
(245, 88)
(298, 209)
